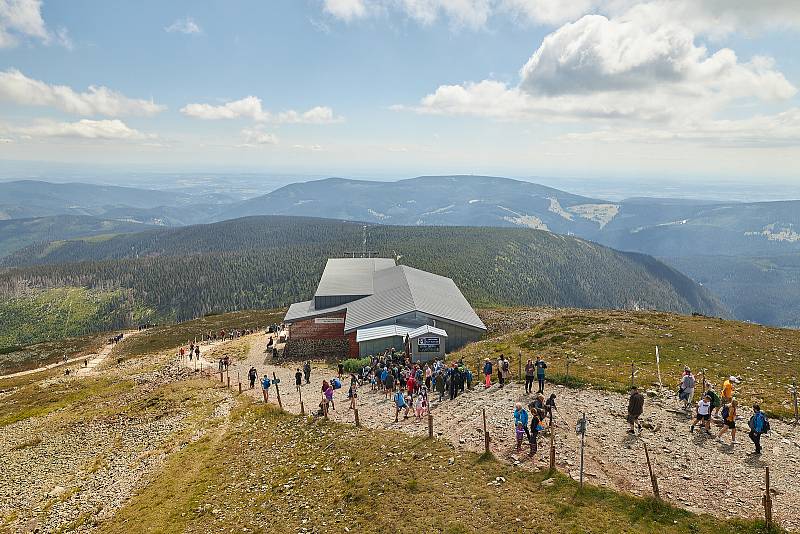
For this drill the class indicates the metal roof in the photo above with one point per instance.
(306, 310)
(403, 289)
(426, 329)
(380, 332)
(350, 276)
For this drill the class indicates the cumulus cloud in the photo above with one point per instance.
(185, 25)
(633, 67)
(83, 129)
(346, 10)
(19, 89)
(22, 19)
(250, 107)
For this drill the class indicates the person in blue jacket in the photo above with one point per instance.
(521, 416)
(265, 384)
(487, 373)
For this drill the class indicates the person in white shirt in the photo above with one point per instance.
(703, 414)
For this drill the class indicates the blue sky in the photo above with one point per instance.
(614, 88)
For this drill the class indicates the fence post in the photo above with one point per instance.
(277, 389)
(794, 395)
(302, 408)
(633, 373)
(583, 434)
(485, 434)
(239, 379)
(519, 367)
(653, 479)
(228, 379)
(552, 449)
(767, 501)
(355, 411)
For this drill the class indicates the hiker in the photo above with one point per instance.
(521, 418)
(502, 369)
(197, 352)
(265, 384)
(219, 365)
(519, 431)
(341, 369)
(352, 394)
(190, 354)
(716, 402)
(686, 388)
(635, 409)
(428, 376)
(307, 371)
(727, 389)
(399, 404)
(536, 427)
(530, 372)
(440, 385)
(538, 406)
(550, 406)
(703, 414)
(183, 353)
(328, 392)
(729, 421)
(252, 374)
(759, 424)
(487, 373)
(540, 367)
(298, 379)
(419, 407)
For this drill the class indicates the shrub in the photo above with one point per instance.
(354, 365)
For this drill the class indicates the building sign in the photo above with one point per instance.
(329, 320)
(428, 344)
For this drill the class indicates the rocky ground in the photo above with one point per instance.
(694, 470)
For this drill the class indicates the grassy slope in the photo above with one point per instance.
(603, 344)
(170, 336)
(44, 315)
(13, 359)
(270, 471)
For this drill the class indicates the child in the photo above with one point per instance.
(329, 397)
(520, 432)
(399, 404)
(419, 407)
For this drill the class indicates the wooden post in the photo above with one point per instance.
(633, 373)
(239, 379)
(228, 379)
(567, 379)
(221, 380)
(653, 479)
(355, 411)
(658, 367)
(277, 389)
(430, 425)
(552, 449)
(704, 383)
(302, 408)
(485, 434)
(794, 395)
(519, 367)
(767, 501)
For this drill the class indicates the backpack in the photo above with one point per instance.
(760, 423)
(337, 383)
(505, 365)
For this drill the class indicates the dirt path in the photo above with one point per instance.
(694, 470)
(93, 360)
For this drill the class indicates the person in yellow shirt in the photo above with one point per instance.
(727, 389)
(729, 421)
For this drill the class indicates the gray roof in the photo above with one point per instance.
(350, 276)
(381, 332)
(305, 310)
(426, 329)
(391, 290)
(403, 289)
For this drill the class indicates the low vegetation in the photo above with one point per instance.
(601, 346)
(326, 477)
(21, 358)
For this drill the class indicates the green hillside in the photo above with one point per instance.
(268, 262)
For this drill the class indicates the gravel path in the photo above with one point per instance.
(694, 470)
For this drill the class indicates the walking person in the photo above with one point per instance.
(727, 389)
(759, 424)
(487, 373)
(265, 384)
(521, 418)
(686, 388)
(703, 414)
(540, 367)
(197, 352)
(530, 372)
(729, 421)
(550, 407)
(635, 409)
(252, 375)
(307, 371)
(298, 380)
(399, 404)
(328, 392)
(536, 427)
(502, 365)
(352, 394)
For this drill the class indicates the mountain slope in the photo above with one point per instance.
(268, 262)
(16, 234)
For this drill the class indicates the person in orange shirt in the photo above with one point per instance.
(727, 389)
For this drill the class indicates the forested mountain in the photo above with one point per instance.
(16, 234)
(265, 262)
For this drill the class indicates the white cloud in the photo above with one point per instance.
(98, 100)
(634, 67)
(185, 25)
(346, 10)
(83, 129)
(5, 140)
(550, 12)
(250, 107)
(257, 136)
(22, 19)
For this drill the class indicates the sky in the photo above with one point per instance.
(660, 89)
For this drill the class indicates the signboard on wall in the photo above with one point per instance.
(329, 320)
(428, 344)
